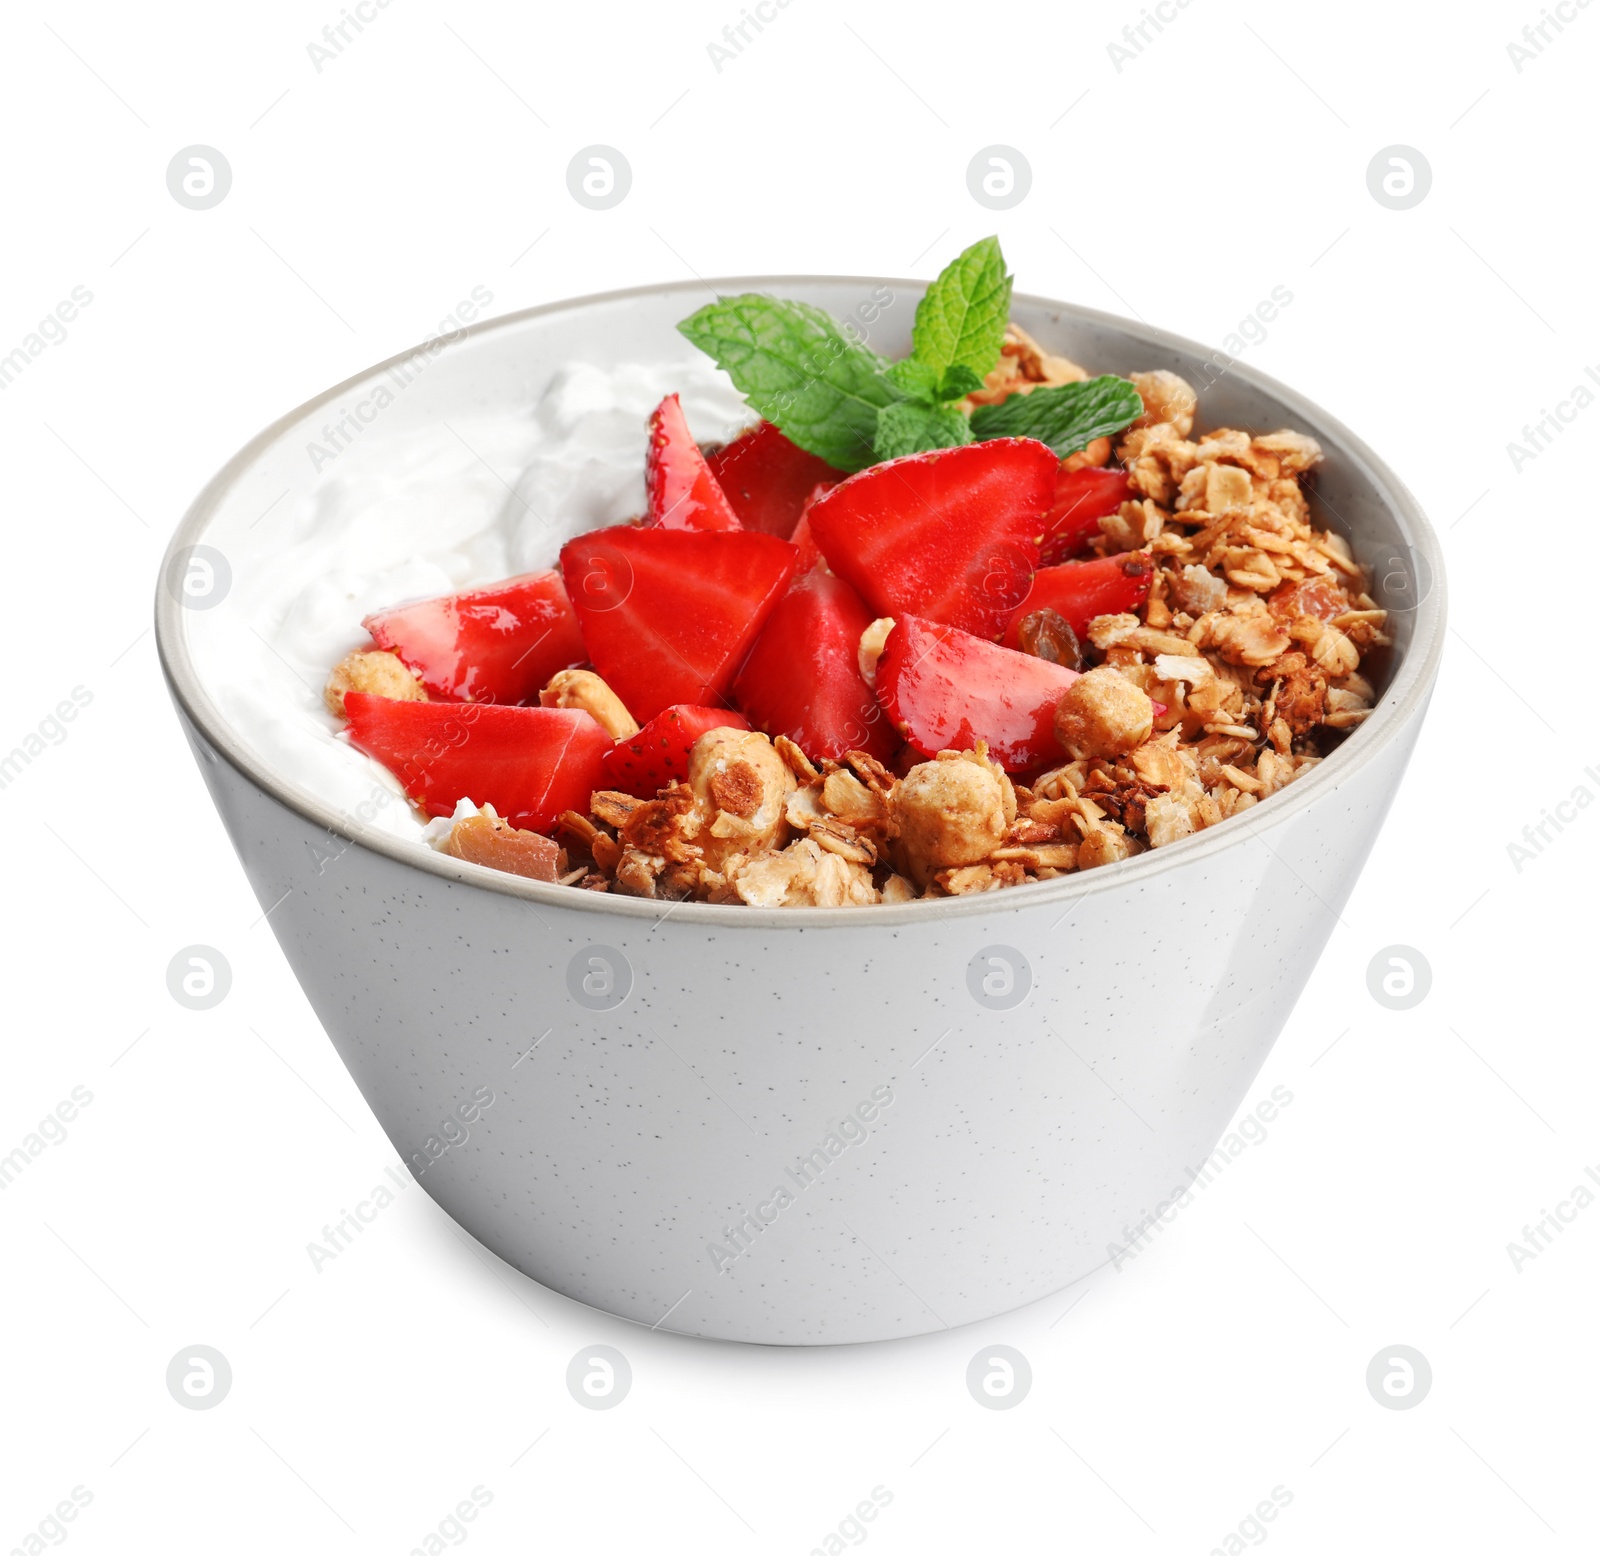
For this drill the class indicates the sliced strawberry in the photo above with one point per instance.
(951, 535)
(659, 753)
(1080, 591)
(529, 763)
(668, 615)
(802, 678)
(806, 548)
(683, 492)
(945, 689)
(1083, 497)
(499, 644)
(768, 479)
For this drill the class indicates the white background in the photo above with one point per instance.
(1228, 158)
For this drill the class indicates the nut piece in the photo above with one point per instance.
(870, 650)
(584, 689)
(741, 787)
(371, 670)
(1167, 398)
(949, 812)
(1103, 714)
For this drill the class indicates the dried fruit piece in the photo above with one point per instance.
(1080, 591)
(490, 841)
(1317, 597)
(1047, 635)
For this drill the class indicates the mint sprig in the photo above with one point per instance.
(1069, 417)
(919, 381)
(961, 320)
(910, 428)
(837, 399)
(797, 368)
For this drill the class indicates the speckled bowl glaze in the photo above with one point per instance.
(808, 1126)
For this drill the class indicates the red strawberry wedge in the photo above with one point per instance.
(499, 644)
(682, 491)
(667, 615)
(529, 763)
(952, 536)
(659, 753)
(806, 554)
(1080, 591)
(768, 478)
(802, 678)
(945, 689)
(1082, 499)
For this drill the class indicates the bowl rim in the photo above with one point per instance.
(1400, 703)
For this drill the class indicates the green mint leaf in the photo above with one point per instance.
(961, 320)
(915, 380)
(796, 368)
(1068, 417)
(959, 381)
(909, 428)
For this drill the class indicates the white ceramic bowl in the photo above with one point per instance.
(988, 1091)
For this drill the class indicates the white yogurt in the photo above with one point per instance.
(447, 507)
